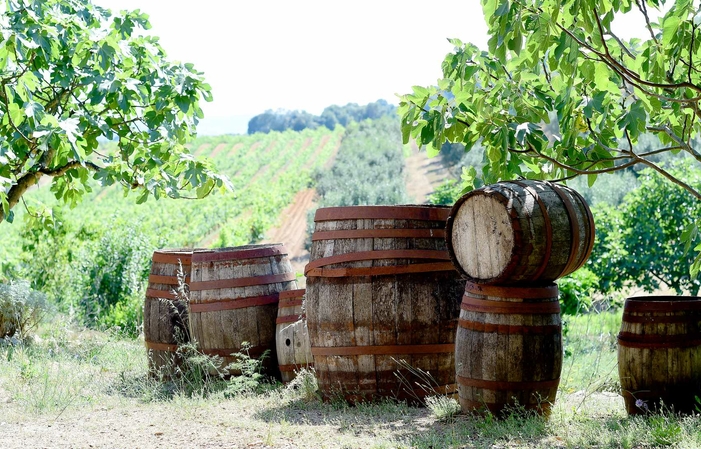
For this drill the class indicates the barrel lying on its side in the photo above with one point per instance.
(517, 232)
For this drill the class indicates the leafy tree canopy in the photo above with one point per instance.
(565, 59)
(71, 74)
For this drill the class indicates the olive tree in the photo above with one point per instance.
(72, 75)
(565, 61)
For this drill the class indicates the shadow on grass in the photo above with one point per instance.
(413, 426)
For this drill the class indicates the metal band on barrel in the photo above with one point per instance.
(470, 304)
(159, 294)
(242, 282)
(378, 234)
(647, 341)
(572, 261)
(548, 228)
(384, 350)
(167, 280)
(380, 271)
(548, 291)
(379, 212)
(508, 329)
(239, 253)
(233, 303)
(292, 302)
(288, 294)
(172, 257)
(674, 304)
(500, 385)
(290, 319)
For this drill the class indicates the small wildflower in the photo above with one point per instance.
(641, 404)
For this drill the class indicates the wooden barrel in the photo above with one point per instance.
(292, 337)
(234, 296)
(659, 353)
(520, 232)
(165, 316)
(508, 348)
(381, 290)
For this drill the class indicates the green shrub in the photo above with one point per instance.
(576, 290)
(446, 194)
(250, 378)
(110, 277)
(93, 271)
(21, 309)
(640, 243)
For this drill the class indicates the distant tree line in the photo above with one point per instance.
(282, 120)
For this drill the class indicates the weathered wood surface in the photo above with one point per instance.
(520, 231)
(165, 316)
(234, 296)
(659, 353)
(381, 289)
(508, 348)
(292, 336)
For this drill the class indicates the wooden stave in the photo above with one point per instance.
(659, 333)
(345, 375)
(163, 314)
(548, 260)
(535, 329)
(254, 322)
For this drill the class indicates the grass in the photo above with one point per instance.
(69, 374)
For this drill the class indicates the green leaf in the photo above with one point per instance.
(143, 197)
(595, 104)
(634, 119)
(591, 179)
(503, 9)
(16, 114)
(602, 79)
(183, 103)
(669, 28)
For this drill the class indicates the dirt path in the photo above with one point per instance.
(292, 231)
(423, 174)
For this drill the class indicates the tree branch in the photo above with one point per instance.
(30, 179)
(671, 178)
(643, 9)
(685, 146)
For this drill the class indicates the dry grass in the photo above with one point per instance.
(80, 389)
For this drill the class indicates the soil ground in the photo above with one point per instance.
(246, 422)
(423, 174)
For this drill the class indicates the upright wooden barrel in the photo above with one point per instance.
(381, 289)
(165, 317)
(520, 232)
(292, 337)
(234, 296)
(508, 348)
(659, 353)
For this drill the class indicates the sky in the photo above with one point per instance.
(307, 54)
